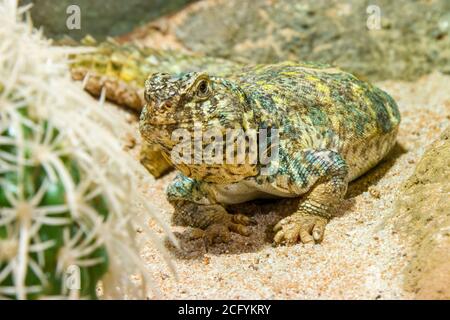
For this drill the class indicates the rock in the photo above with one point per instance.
(422, 218)
(98, 18)
(404, 45)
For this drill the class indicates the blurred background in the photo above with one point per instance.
(100, 18)
(377, 40)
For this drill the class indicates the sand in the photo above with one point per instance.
(361, 257)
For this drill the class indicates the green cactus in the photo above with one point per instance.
(67, 189)
(33, 198)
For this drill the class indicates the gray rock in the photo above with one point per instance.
(98, 18)
(413, 39)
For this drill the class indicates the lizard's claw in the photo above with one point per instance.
(243, 219)
(221, 232)
(300, 228)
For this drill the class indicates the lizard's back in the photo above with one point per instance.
(320, 107)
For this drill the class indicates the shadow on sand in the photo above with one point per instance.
(268, 212)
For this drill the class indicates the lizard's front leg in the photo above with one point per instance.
(326, 172)
(194, 208)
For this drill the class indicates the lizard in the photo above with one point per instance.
(332, 128)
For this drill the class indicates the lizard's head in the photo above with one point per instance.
(177, 102)
(190, 101)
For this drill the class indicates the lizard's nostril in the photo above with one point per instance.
(162, 106)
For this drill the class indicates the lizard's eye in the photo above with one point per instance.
(203, 89)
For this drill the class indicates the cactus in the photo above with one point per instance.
(67, 189)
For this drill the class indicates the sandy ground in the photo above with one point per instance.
(361, 256)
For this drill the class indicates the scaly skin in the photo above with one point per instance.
(332, 127)
(121, 70)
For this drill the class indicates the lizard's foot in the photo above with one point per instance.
(300, 228)
(216, 233)
(214, 224)
(221, 232)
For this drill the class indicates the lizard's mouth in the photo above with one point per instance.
(160, 130)
(168, 125)
(162, 123)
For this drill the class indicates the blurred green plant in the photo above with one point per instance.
(67, 189)
(39, 237)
